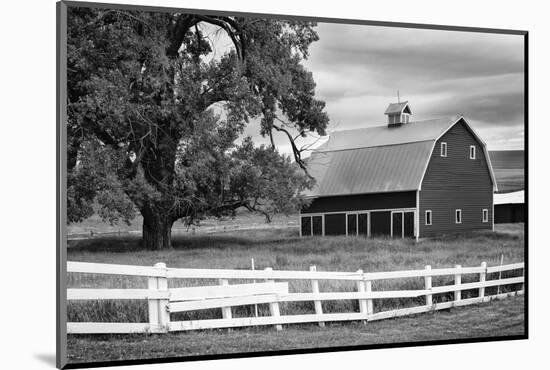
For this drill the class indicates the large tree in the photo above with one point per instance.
(155, 111)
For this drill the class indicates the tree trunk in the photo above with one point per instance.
(157, 231)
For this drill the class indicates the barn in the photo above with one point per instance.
(510, 207)
(405, 179)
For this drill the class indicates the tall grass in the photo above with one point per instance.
(285, 250)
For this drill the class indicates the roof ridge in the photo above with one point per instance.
(370, 146)
(453, 118)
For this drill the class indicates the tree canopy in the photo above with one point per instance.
(154, 119)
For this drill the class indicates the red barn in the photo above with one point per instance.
(403, 179)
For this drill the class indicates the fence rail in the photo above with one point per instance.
(163, 301)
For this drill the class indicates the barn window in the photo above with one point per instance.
(458, 216)
(428, 218)
(306, 226)
(352, 224)
(335, 224)
(363, 224)
(443, 149)
(485, 215)
(472, 152)
(312, 225)
(317, 225)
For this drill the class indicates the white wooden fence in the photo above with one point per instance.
(162, 301)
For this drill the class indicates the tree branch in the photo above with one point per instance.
(253, 208)
(186, 21)
(230, 27)
(297, 152)
(177, 34)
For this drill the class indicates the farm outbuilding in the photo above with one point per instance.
(403, 179)
(510, 207)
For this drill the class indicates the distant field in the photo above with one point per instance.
(507, 159)
(508, 166)
(243, 220)
(510, 180)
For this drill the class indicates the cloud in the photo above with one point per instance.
(394, 54)
(358, 70)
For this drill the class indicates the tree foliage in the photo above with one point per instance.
(153, 119)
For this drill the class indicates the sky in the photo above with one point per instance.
(358, 70)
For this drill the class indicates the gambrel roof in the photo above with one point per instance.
(379, 159)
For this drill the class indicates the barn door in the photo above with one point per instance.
(352, 224)
(408, 224)
(397, 224)
(380, 223)
(335, 224)
(402, 224)
(363, 224)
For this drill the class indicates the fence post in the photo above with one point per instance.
(274, 306)
(159, 317)
(254, 281)
(428, 285)
(482, 277)
(523, 274)
(368, 286)
(153, 305)
(458, 281)
(500, 272)
(315, 289)
(162, 284)
(361, 288)
(226, 311)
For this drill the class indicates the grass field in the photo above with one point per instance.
(244, 219)
(285, 250)
(497, 318)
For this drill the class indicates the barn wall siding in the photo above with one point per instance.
(350, 203)
(456, 182)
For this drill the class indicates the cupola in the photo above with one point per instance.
(398, 114)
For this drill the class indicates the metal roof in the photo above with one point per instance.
(384, 135)
(397, 108)
(377, 159)
(369, 170)
(516, 197)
